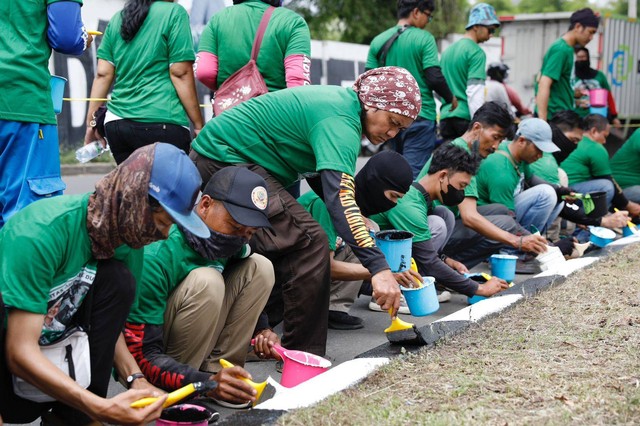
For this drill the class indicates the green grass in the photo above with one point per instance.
(570, 355)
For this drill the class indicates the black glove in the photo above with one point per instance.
(562, 191)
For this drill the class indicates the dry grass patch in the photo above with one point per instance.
(571, 355)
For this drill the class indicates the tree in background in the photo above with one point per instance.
(359, 21)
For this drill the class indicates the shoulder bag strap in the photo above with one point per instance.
(513, 163)
(382, 54)
(261, 29)
(425, 194)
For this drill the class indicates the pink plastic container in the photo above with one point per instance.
(300, 366)
(598, 97)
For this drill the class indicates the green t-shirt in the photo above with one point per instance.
(46, 265)
(230, 33)
(24, 61)
(410, 214)
(143, 90)
(300, 130)
(462, 62)
(498, 180)
(625, 164)
(470, 190)
(557, 65)
(599, 82)
(415, 50)
(318, 209)
(589, 160)
(166, 264)
(545, 168)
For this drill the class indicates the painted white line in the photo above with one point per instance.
(569, 267)
(326, 384)
(481, 309)
(626, 240)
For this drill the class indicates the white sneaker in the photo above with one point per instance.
(444, 296)
(404, 309)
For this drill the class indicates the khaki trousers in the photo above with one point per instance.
(344, 293)
(212, 315)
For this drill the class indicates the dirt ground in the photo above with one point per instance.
(570, 355)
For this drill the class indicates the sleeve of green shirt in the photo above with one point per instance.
(327, 139)
(372, 58)
(477, 62)
(411, 216)
(207, 41)
(300, 38)
(105, 50)
(552, 63)
(599, 162)
(180, 41)
(430, 53)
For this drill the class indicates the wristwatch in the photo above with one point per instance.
(132, 378)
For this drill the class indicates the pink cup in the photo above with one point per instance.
(598, 97)
(300, 366)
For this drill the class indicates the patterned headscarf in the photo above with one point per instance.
(119, 211)
(390, 89)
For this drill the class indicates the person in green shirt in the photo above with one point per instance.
(624, 166)
(415, 49)
(199, 299)
(589, 169)
(482, 231)
(74, 261)
(586, 78)
(501, 178)
(553, 87)
(147, 55)
(29, 149)
(312, 132)
(385, 178)
(450, 171)
(463, 65)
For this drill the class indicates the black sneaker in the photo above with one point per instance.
(343, 321)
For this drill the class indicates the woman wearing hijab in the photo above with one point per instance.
(147, 53)
(312, 132)
(586, 78)
(73, 261)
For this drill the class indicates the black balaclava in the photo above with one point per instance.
(583, 69)
(385, 170)
(561, 141)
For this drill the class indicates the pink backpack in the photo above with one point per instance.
(246, 83)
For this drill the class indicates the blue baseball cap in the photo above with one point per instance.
(175, 183)
(482, 14)
(539, 132)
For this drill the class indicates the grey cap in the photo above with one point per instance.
(539, 132)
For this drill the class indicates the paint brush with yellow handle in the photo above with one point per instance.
(264, 389)
(488, 277)
(632, 226)
(403, 333)
(179, 394)
(414, 267)
(94, 33)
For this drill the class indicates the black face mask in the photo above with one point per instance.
(453, 196)
(217, 246)
(583, 70)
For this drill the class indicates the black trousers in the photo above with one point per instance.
(125, 136)
(451, 128)
(297, 247)
(109, 301)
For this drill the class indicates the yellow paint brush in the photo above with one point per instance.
(178, 395)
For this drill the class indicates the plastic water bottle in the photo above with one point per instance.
(90, 151)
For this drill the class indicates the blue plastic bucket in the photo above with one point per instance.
(627, 232)
(503, 266)
(604, 111)
(475, 299)
(396, 247)
(422, 301)
(57, 84)
(601, 236)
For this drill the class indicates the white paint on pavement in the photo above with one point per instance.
(569, 267)
(481, 309)
(320, 387)
(626, 240)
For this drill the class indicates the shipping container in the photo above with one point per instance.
(614, 50)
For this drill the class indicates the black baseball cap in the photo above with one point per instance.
(243, 193)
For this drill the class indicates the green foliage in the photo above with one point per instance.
(359, 21)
